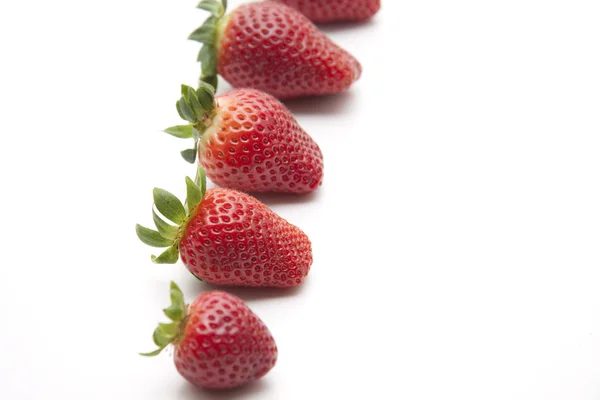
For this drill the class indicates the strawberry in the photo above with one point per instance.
(340, 10)
(219, 342)
(226, 237)
(247, 140)
(274, 48)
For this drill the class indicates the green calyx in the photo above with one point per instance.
(171, 208)
(207, 34)
(198, 107)
(172, 332)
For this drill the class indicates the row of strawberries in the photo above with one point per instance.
(245, 141)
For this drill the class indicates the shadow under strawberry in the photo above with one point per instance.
(275, 199)
(248, 294)
(334, 27)
(338, 104)
(252, 389)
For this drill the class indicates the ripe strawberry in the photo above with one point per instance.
(248, 141)
(340, 10)
(219, 342)
(228, 238)
(274, 48)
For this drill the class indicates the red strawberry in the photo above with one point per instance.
(249, 141)
(274, 48)
(219, 342)
(340, 10)
(228, 238)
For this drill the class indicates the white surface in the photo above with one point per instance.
(456, 236)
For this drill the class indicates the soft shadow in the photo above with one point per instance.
(334, 104)
(334, 27)
(254, 388)
(195, 287)
(275, 199)
(257, 293)
(244, 293)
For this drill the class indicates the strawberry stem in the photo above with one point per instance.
(173, 331)
(208, 35)
(173, 209)
(198, 107)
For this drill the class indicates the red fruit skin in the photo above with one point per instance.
(321, 11)
(274, 48)
(225, 344)
(235, 240)
(256, 145)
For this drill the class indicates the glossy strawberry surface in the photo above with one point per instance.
(233, 239)
(256, 145)
(339, 10)
(224, 343)
(274, 48)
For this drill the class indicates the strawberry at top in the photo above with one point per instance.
(274, 48)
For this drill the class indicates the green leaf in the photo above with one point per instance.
(152, 353)
(208, 91)
(197, 132)
(181, 131)
(169, 256)
(207, 33)
(170, 329)
(166, 230)
(184, 92)
(207, 87)
(152, 237)
(166, 333)
(179, 111)
(184, 109)
(176, 295)
(197, 107)
(208, 58)
(194, 194)
(213, 6)
(206, 95)
(175, 313)
(200, 179)
(169, 206)
(210, 79)
(160, 338)
(189, 155)
(224, 4)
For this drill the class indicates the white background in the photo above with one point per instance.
(456, 237)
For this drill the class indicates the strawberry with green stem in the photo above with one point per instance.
(226, 237)
(271, 47)
(247, 140)
(219, 342)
